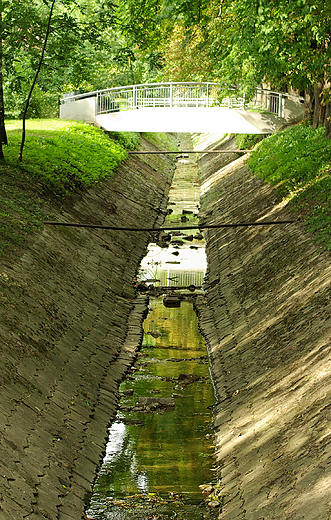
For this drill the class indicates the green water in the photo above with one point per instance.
(170, 452)
(156, 460)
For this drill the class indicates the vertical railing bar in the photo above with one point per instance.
(134, 97)
(280, 105)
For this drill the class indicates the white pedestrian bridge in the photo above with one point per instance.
(182, 107)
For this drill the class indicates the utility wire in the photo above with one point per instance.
(179, 152)
(170, 228)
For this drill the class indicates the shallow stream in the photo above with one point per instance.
(160, 447)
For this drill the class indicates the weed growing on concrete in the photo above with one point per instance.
(162, 141)
(247, 141)
(130, 140)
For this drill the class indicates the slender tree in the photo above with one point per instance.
(41, 59)
(3, 135)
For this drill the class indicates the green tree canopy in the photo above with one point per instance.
(283, 43)
(98, 44)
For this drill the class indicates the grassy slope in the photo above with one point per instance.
(59, 158)
(297, 161)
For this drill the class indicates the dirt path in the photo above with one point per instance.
(65, 307)
(267, 321)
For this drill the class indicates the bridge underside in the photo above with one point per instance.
(180, 119)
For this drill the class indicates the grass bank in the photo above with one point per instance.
(60, 157)
(297, 161)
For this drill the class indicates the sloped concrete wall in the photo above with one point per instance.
(266, 319)
(67, 336)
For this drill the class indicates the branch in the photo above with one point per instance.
(20, 155)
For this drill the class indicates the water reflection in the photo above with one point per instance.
(170, 452)
(120, 457)
(188, 264)
(157, 454)
(167, 450)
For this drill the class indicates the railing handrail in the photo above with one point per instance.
(278, 93)
(95, 93)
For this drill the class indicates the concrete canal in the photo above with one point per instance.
(159, 456)
(71, 323)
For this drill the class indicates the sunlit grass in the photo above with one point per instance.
(298, 162)
(64, 155)
(59, 158)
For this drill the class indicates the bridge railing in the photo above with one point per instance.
(172, 94)
(278, 103)
(179, 94)
(159, 95)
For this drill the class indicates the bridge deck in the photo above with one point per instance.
(178, 107)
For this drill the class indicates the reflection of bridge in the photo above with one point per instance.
(176, 107)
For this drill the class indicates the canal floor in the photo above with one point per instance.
(160, 447)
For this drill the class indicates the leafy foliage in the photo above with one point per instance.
(77, 29)
(185, 55)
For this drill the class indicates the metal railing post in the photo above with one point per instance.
(134, 96)
(171, 95)
(280, 105)
(207, 100)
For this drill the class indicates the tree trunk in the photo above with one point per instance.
(3, 134)
(309, 104)
(318, 108)
(20, 155)
(327, 120)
